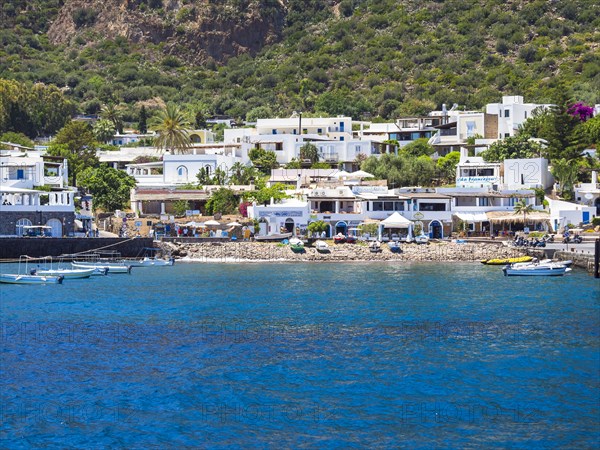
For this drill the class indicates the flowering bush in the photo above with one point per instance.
(581, 111)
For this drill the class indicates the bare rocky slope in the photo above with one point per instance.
(195, 30)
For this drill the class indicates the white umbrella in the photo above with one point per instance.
(361, 174)
(211, 223)
(234, 224)
(341, 174)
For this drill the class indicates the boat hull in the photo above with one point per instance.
(112, 268)
(67, 273)
(539, 271)
(148, 262)
(30, 279)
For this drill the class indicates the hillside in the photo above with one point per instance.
(248, 58)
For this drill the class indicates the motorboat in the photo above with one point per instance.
(422, 239)
(26, 276)
(13, 278)
(339, 238)
(100, 266)
(47, 268)
(322, 246)
(535, 269)
(149, 258)
(350, 239)
(394, 246)
(375, 247)
(111, 263)
(296, 245)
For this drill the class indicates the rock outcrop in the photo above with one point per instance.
(195, 31)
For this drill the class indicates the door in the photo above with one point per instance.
(56, 225)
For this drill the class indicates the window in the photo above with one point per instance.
(432, 206)
(388, 206)
(182, 172)
(279, 146)
(319, 130)
(341, 138)
(208, 169)
(341, 126)
(377, 206)
(20, 231)
(484, 201)
(506, 113)
(274, 131)
(525, 114)
(470, 128)
(399, 206)
(512, 201)
(506, 135)
(20, 174)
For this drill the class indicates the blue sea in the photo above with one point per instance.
(283, 355)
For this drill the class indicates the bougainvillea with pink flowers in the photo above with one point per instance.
(582, 111)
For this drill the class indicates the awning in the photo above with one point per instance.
(510, 216)
(472, 216)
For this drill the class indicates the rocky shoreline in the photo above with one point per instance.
(268, 251)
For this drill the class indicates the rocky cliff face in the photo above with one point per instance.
(195, 30)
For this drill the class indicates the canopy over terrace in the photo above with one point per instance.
(506, 217)
(396, 221)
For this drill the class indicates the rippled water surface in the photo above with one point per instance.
(302, 356)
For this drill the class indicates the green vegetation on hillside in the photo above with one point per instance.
(364, 58)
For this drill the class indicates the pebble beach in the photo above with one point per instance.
(263, 251)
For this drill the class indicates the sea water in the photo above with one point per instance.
(378, 355)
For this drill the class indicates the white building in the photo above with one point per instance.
(511, 113)
(22, 205)
(589, 194)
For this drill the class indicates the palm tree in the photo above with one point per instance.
(172, 127)
(114, 114)
(521, 207)
(104, 130)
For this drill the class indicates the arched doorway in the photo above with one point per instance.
(182, 173)
(20, 231)
(56, 225)
(289, 225)
(341, 227)
(436, 231)
(597, 204)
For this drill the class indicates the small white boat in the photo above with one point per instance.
(111, 267)
(296, 245)
(535, 269)
(66, 273)
(322, 246)
(422, 239)
(13, 278)
(149, 258)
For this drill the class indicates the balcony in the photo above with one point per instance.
(331, 157)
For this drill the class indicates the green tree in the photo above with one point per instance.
(223, 201)
(242, 174)
(172, 127)
(566, 173)
(76, 142)
(514, 147)
(264, 194)
(110, 187)
(263, 160)
(309, 152)
(103, 130)
(143, 120)
(317, 226)
(446, 167)
(418, 147)
(15, 138)
(180, 207)
(294, 164)
(114, 114)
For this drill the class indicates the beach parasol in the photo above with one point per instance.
(211, 223)
(361, 174)
(234, 224)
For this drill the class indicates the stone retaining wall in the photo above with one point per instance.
(263, 251)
